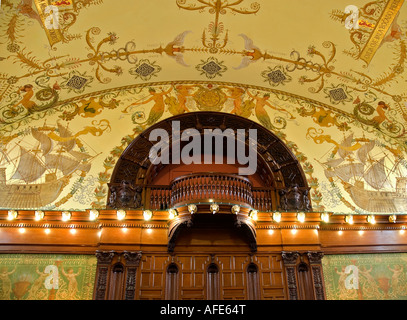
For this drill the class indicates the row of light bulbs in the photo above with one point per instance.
(192, 208)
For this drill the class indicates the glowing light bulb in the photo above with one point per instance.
(39, 215)
(325, 217)
(301, 217)
(277, 217)
(147, 214)
(66, 216)
(11, 215)
(93, 214)
(254, 215)
(121, 214)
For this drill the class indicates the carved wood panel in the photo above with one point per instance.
(192, 276)
(271, 277)
(152, 277)
(233, 276)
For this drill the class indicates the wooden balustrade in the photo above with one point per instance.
(201, 187)
(262, 199)
(160, 197)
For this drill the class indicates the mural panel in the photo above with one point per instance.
(366, 276)
(47, 277)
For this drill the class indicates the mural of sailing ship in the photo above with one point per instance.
(33, 175)
(374, 175)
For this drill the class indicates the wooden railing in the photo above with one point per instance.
(160, 197)
(262, 199)
(201, 187)
(204, 186)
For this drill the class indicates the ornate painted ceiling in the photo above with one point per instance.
(330, 81)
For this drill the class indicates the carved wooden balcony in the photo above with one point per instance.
(210, 187)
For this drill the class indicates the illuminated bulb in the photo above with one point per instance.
(93, 214)
(192, 209)
(253, 215)
(147, 214)
(293, 231)
(371, 219)
(325, 217)
(340, 232)
(172, 213)
(39, 215)
(72, 231)
(214, 208)
(21, 230)
(277, 216)
(121, 214)
(47, 231)
(271, 231)
(392, 218)
(66, 216)
(349, 219)
(12, 214)
(301, 217)
(235, 209)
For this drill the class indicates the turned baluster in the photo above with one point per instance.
(160, 199)
(234, 188)
(187, 187)
(218, 182)
(227, 183)
(199, 187)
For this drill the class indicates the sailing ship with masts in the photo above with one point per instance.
(33, 176)
(375, 176)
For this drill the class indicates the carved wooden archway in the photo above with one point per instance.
(276, 162)
(282, 176)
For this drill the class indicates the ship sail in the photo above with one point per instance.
(65, 133)
(65, 164)
(333, 162)
(346, 144)
(346, 172)
(80, 156)
(376, 176)
(363, 152)
(46, 142)
(29, 167)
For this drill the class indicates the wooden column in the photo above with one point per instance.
(290, 264)
(132, 262)
(315, 258)
(104, 259)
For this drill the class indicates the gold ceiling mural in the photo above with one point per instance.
(80, 79)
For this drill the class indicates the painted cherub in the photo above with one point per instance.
(72, 282)
(6, 283)
(26, 101)
(158, 109)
